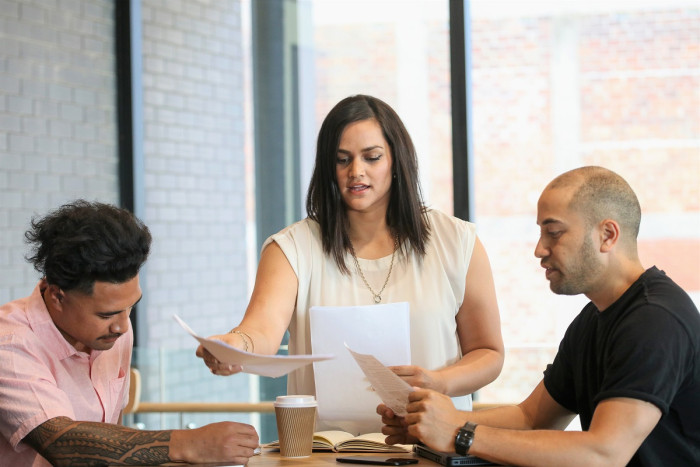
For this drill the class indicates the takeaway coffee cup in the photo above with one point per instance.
(296, 416)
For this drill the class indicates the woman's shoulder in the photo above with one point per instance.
(451, 242)
(441, 222)
(304, 225)
(300, 231)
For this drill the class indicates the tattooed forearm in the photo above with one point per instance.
(66, 442)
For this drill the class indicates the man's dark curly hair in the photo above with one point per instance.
(82, 242)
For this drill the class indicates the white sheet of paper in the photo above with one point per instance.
(346, 399)
(263, 365)
(390, 388)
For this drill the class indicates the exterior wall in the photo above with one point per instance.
(553, 92)
(552, 89)
(194, 142)
(401, 58)
(57, 119)
(58, 141)
(194, 167)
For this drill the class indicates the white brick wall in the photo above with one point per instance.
(193, 145)
(195, 187)
(57, 118)
(58, 142)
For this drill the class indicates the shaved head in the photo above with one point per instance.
(598, 194)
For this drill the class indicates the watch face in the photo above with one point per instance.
(464, 439)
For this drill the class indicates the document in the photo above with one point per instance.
(389, 386)
(347, 400)
(263, 365)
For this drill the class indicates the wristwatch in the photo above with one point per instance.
(464, 438)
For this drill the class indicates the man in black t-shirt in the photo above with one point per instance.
(629, 363)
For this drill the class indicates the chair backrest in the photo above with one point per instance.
(134, 391)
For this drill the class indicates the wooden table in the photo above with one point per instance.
(320, 459)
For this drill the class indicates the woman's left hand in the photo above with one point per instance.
(416, 376)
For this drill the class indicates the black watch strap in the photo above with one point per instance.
(465, 438)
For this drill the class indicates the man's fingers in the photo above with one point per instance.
(395, 439)
(403, 370)
(416, 395)
(385, 411)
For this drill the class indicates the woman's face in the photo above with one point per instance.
(363, 167)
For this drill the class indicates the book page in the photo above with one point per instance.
(372, 437)
(346, 399)
(332, 437)
(371, 442)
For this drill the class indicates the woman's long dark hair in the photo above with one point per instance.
(406, 215)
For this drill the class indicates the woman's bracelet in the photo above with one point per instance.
(243, 338)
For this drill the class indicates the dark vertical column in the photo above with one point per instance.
(127, 25)
(275, 109)
(125, 141)
(460, 75)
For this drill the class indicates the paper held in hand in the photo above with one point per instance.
(347, 400)
(390, 388)
(263, 365)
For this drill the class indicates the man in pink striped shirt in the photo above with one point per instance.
(65, 352)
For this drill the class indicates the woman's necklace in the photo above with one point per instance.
(377, 295)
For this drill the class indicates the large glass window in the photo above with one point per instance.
(395, 51)
(557, 85)
(398, 52)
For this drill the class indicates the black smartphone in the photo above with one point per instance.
(377, 460)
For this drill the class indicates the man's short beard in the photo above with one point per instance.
(581, 273)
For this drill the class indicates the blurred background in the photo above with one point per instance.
(201, 116)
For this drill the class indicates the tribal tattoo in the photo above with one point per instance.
(65, 442)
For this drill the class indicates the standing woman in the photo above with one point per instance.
(369, 238)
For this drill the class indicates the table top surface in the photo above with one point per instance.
(273, 458)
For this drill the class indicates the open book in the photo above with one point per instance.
(341, 441)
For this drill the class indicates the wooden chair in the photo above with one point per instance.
(134, 391)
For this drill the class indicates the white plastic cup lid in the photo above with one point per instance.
(295, 401)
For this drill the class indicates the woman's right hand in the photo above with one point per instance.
(216, 367)
(268, 314)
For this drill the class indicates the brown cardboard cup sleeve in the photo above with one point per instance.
(296, 418)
